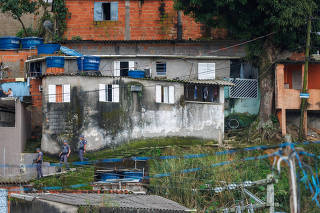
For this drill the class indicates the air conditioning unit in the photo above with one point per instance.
(136, 88)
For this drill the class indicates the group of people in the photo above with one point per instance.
(64, 154)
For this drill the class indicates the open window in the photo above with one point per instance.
(105, 11)
(121, 68)
(165, 94)
(109, 93)
(201, 93)
(35, 69)
(161, 68)
(59, 93)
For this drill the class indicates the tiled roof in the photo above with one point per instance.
(150, 202)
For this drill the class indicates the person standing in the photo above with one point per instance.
(82, 147)
(39, 163)
(9, 93)
(65, 153)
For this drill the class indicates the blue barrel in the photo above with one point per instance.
(88, 63)
(31, 42)
(48, 48)
(136, 74)
(55, 61)
(3, 200)
(109, 176)
(9, 43)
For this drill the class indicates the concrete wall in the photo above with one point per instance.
(10, 26)
(106, 124)
(176, 68)
(189, 48)
(13, 140)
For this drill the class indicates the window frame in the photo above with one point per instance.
(98, 11)
(65, 93)
(165, 94)
(104, 93)
(164, 64)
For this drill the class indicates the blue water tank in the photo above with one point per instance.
(48, 48)
(136, 74)
(88, 63)
(55, 61)
(9, 43)
(109, 176)
(31, 42)
(133, 175)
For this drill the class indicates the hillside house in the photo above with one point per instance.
(288, 84)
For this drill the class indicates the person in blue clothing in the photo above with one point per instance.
(82, 147)
(65, 153)
(39, 163)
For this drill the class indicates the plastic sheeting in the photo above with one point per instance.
(19, 89)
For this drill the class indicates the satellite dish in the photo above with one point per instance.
(48, 26)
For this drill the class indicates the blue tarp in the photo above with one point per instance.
(69, 52)
(19, 89)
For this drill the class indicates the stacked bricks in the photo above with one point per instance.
(148, 20)
(35, 92)
(15, 60)
(54, 71)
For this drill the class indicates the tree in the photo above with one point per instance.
(17, 8)
(248, 19)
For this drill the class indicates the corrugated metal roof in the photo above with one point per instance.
(150, 202)
(208, 82)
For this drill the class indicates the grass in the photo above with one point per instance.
(180, 186)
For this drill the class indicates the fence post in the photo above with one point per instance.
(270, 194)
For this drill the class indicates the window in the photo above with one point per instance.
(109, 93)
(35, 69)
(201, 93)
(105, 11)
(161, 68)
(121, 68)
(59, 93)
(165, 94)
(206, 71)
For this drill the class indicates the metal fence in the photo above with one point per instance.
(244, 88)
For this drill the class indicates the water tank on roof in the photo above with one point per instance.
(88, 63)
(31, 42)
(9, 43)
(55, 61)
(136, 74)
(46, 49)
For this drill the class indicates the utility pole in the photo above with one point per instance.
(303, 124)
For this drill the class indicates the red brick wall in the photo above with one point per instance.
(15, 59)
(146, 23)
(35, 92)
(54, 70)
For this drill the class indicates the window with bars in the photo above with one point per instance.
(109, 93)
(244, 88)
(59, 93)
(161, 68)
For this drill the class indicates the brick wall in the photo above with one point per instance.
(142, 20)
(15, 59)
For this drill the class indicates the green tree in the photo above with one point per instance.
(248, 19)
(17, 8)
